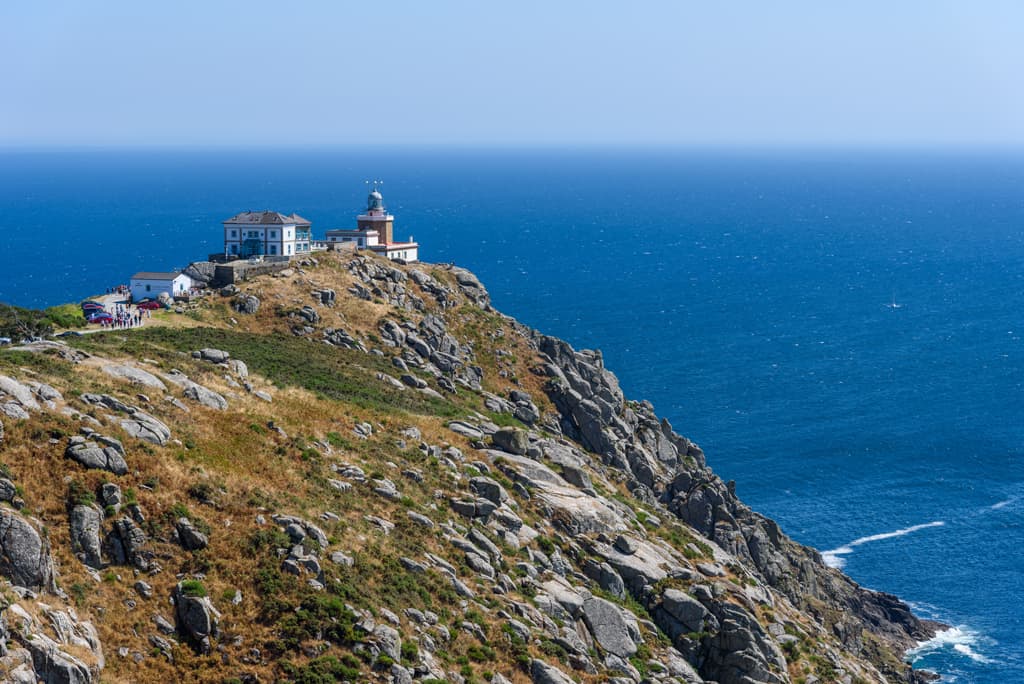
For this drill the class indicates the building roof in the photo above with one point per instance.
(156, 275)
(393, 245)
(351, 231)
(267, 217)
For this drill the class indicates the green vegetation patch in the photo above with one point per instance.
(325, 669)
(46, 363)
(66, 316)
(18, 323)
(340, 374)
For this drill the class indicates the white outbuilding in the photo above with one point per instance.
(150, 284)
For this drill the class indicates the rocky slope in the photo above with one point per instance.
(357, 470)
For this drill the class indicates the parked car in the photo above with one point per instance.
(150, 304)
(92, 306)
(70, 333)
(4, 341)
(99, 317)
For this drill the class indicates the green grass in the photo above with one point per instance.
(325, 669)
(45, 363)
(65, 316)
(339, 374)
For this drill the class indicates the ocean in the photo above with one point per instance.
(841, 331)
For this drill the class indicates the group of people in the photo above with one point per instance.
(119, 289)
(125, 317)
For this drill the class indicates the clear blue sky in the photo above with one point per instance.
(751, 72)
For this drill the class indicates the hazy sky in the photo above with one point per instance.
(113, 72)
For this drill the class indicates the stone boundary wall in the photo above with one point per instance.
(229, 274)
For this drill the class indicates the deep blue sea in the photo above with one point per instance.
(747, 295)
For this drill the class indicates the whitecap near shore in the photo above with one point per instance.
(961, 640)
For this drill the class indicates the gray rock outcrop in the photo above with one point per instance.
(85, 535)
(24, 555)
(212, 355)
(108, 454)
(663, 468)
(8, 490)
(205, 396)
(246, 304)
(134, 375)
(138, 424)
(20, 393)
(511, 440)
(608, 625)
(201, 272)
(542, 673)
(389, 641)
(471, 287)
(191, 538)
(14, 410)
(489, 489)
(125, 544)
(197, 619)
(42, 654)
(465, 429)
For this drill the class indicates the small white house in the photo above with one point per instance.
(149, 284)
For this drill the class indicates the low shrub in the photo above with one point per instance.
(65, 316)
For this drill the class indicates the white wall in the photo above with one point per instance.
(178, 286)
(404, 253)
(281, 235)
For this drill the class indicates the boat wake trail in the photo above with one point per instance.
(835, 557)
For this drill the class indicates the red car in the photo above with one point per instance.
(150, 304)
(99, 317)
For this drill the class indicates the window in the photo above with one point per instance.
(289, 249)
(273, 249)
(273, 233)
(234, 249)
(234, 233)
(147, 288)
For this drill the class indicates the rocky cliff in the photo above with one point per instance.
(355, 470)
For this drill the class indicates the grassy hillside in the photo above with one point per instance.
(377, 572)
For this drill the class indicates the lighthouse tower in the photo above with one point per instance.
(375, 231)
(377, 217)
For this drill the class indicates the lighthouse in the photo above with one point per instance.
(375, 231)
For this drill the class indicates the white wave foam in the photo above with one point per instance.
(962, 640)
(834, 557)
(1002, 504)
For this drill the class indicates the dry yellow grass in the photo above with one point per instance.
(252, 470)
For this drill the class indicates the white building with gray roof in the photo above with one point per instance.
(151, 284)
(266, 233)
